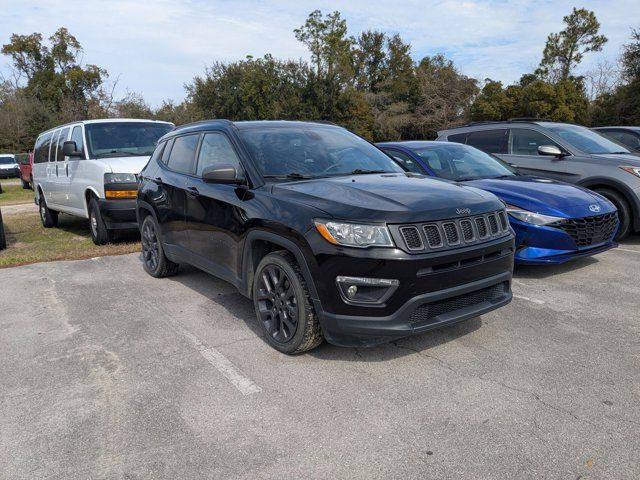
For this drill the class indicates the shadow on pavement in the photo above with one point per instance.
(227, 296)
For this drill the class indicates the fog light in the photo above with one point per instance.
(366, 291)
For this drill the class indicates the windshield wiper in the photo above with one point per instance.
(364, 171)
(291, 175)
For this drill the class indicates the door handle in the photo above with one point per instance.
(193, 191)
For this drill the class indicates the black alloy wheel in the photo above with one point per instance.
(277, 304)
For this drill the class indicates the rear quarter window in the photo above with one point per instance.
(489, 141)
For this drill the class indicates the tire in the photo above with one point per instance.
(49, 218)
(25, 185)
(3, 238)
(154, 261)
(624, 212)
(279, 293)
(100, 234)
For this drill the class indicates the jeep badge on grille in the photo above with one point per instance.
(463, 211)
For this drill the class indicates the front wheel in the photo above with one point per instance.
(100, 234)
(283, 305)
(49, 218)
(624, 212)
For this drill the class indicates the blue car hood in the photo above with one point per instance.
(545, 196)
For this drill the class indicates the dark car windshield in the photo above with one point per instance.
(586, 140)
(313, 151)
(461, 162)
(124, 139)
(7, 160)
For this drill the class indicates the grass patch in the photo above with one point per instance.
(14, 195)
(29, 242)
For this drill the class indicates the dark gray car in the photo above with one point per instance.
(628, 136)
(566, 152)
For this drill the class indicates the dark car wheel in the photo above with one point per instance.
(100, 234)
(283, 305)
(624, 211)
(154, 260)
(49, 218)
(25, 185)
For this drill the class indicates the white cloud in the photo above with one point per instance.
(156, 47)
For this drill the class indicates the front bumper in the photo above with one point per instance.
(543, 245)
(118, 214)
(472, 299)
(434, 289)
(10, 173)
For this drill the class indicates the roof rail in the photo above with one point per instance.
(530, 119)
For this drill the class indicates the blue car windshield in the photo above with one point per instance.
(586, 140)
(313, 151)
(462, 162)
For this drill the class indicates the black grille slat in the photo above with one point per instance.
(434, 240)
(467, 230)
(493, 224)
(504, 223)
(589, 231)
(481, 225)
(412, 238)
(451, 233)
(429, 312)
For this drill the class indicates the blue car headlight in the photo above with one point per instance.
(531, 217)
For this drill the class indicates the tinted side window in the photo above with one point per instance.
(489, 141)
(39, 155)
(216, 150)
(76, 136)
(458, 138)
(59, 155)
(157, 153)
(52, 146)
(405, 161)
(526, 142)
(167, 150)
(628, 139)
(183, 153)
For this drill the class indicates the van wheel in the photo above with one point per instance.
(49, 218)
(154, 260)
(283, 306)
(100, 234)
(624, 211)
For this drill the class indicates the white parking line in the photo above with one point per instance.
(528, 299)
(244, 384)
(627, 250)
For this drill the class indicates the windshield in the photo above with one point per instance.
(124, 139)
(461, 162)
(586, 140)
(308, 151)
(7, 160)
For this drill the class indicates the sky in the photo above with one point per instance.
(155, 47)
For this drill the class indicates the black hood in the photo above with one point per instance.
(389, 198)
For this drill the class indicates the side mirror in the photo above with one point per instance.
(550, 151)
(70, 150)
(226, 174)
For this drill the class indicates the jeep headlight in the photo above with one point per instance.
(354, 234)
(531, 217)
(120, 178)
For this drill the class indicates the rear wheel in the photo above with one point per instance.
(283, 305)
(49, 218)
(25, 184)
(100, 234)
(154, 260)
(624, 211)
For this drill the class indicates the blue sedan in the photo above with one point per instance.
(553, 221)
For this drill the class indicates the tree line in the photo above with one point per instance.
(369, 83)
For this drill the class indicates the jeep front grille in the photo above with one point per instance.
(589, 231)
(457, 232)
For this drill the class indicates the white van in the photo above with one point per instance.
(90, 168)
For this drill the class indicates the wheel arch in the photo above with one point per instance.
(259, 243)
(88, 193)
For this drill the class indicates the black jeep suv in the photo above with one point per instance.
(327, 235)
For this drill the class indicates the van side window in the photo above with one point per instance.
(76, 136)
(59, 155)
(183, 154)
(489, 141)
(39, 153)
(216, 150)
(52, 146)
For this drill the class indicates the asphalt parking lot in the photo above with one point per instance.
(109, 373)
